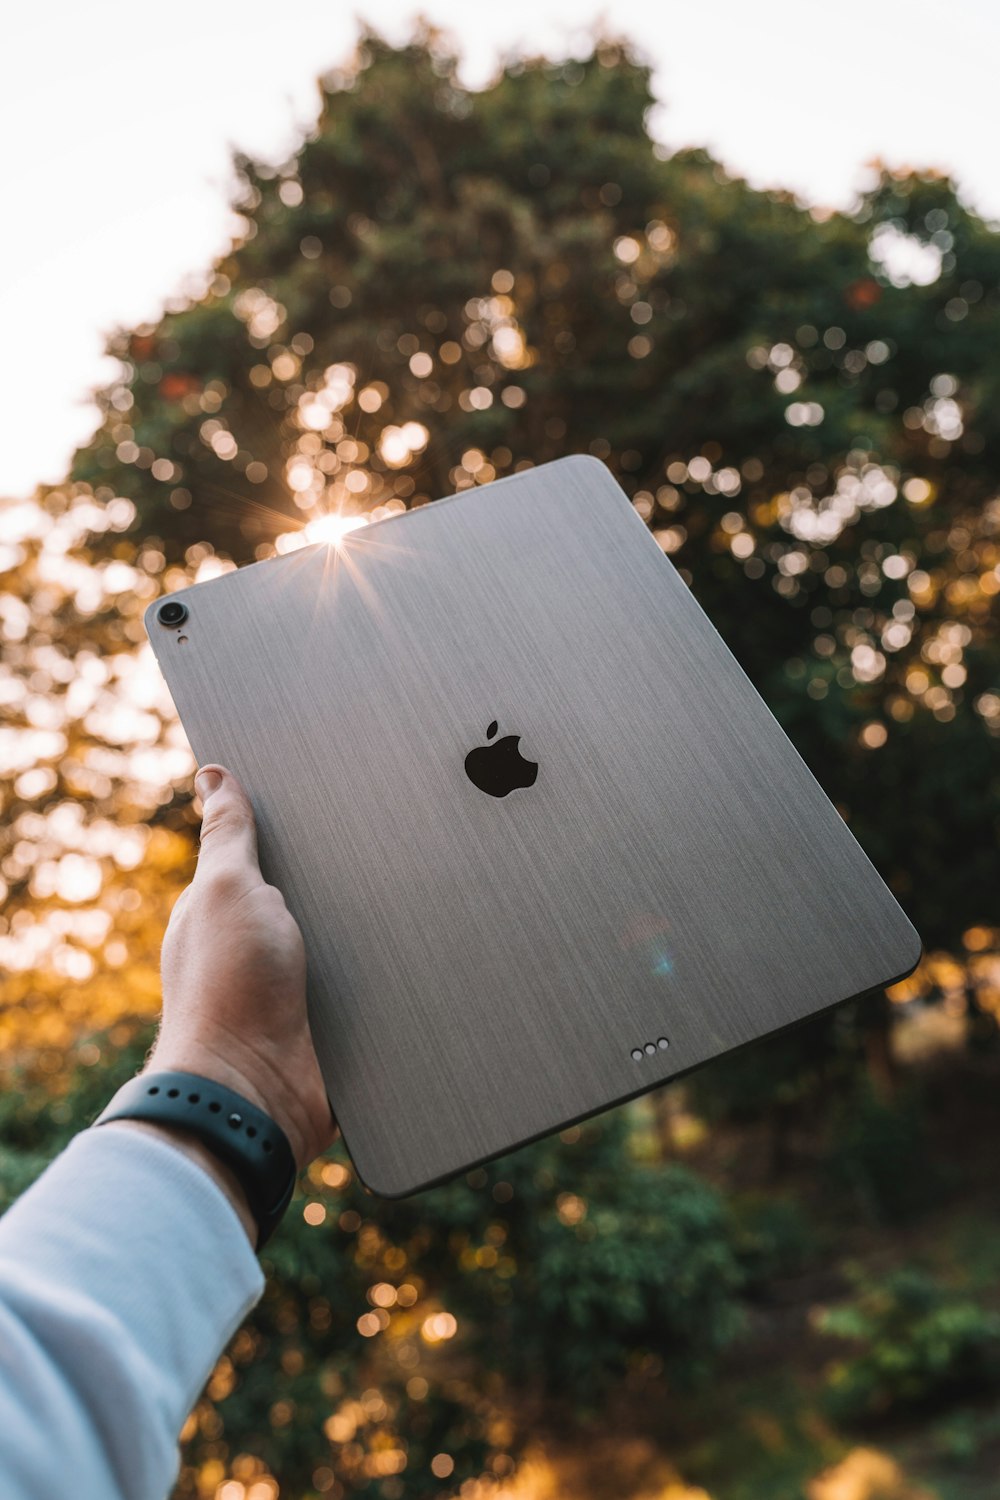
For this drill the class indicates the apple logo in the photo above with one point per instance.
(500, 768)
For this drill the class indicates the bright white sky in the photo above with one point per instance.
(117, 117)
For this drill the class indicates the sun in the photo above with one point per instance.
(332, 528)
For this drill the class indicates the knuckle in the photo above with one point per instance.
(282, 918)
(223, 882)
(227, 820)
(270, 899)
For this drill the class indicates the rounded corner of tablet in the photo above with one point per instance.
(910, 952)
(593, 468)
(387, 1186)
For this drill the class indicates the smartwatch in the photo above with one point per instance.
(236, 1131)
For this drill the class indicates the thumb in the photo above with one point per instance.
(228, 830)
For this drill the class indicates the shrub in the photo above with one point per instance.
(917, 1342)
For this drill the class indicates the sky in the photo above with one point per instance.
(117, 121)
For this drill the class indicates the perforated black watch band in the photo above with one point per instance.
(236, 1131)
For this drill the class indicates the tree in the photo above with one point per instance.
(442, 287)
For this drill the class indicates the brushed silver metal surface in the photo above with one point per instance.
(482, 969)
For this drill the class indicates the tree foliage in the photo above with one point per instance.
(915, 1342)
(439, 288)
(510, 275)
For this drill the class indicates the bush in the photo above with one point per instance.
(602, 1259)
(652, 1267)
(917, 1341)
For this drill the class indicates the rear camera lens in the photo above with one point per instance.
(172, 613)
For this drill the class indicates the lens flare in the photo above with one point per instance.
(332, 528)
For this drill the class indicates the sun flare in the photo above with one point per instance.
(332, 528)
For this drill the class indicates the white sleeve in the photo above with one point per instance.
(124, 1272)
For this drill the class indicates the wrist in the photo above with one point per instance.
(243, 1074)
(236, 1130)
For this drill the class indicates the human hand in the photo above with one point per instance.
(233, 971)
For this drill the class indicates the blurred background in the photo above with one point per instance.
(265, 280)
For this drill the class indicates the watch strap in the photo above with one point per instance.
(236, 1131)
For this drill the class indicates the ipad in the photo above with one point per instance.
(547, 846)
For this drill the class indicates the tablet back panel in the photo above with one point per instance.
(485, 969)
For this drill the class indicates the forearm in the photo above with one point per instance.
(127, 1267)
(124, 1271)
